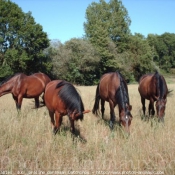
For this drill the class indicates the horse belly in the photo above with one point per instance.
(31, 87)
(33, 92)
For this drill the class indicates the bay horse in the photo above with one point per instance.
(113, 89)
(153, 87)
(23, 86)
(61, 98)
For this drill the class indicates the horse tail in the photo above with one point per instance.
(95, 109)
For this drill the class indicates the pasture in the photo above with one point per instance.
(28, 144)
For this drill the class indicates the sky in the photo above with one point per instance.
(63, 19)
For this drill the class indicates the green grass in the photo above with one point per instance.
(27, 142)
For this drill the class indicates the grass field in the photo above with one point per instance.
(27, 145)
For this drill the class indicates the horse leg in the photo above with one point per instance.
(16, 101)
(72, 126)
(36, 102)
(58, 121)
(143, 105)
(18, 105)
(112, 114)
(151, 107)
(51, 114)
(102, 108)
(43, 99)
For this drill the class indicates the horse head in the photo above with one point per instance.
(160, 107)
(126, 117)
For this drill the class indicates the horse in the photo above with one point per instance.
(23, 86)
(113, 89)
(61, 98)
(153, 87)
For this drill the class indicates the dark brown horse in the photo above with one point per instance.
(61, 98)
(153, 87)
(23, 86)
(113, 89)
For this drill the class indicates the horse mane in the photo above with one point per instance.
(9, 77)
(70, 97)
(122, 92)
(160, 85)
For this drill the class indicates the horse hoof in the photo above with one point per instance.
(55, 130)
(111, 125)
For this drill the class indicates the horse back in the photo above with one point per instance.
(43, 77)
(30, 86)
(51, 97)
(109, 83)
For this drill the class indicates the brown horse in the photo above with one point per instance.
(153, 87)
(113, 89)
(23, 86)
(61, 98)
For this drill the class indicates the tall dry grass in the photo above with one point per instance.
(27, 143)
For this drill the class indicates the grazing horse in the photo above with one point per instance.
(23, 86)
(153, 87)
(113, 89)
(61, 98)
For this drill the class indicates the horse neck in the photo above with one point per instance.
(163, 88)
(124, 90)
(157, 79)
(122, 94)
(122, 102)
(6, 88)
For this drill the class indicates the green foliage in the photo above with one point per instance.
(141, 56)
(164, 48)
(107, 25)
(119, 22)
(75, 61)
(22, 41)
(108, 20)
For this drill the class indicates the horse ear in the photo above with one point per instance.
(156, 97)
(86, 111)
(165, 100)
(129, 106)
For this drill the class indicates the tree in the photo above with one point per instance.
(107, 24)
(75, 61)
(141, 56)
(109, 18)
(22, 41)
(164, 46)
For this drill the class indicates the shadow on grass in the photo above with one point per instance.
(41, 104)
(117, 128)
(153, 120)
(76, 136)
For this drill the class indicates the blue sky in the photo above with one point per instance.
(63, 19)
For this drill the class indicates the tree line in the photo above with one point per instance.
(108, 45)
